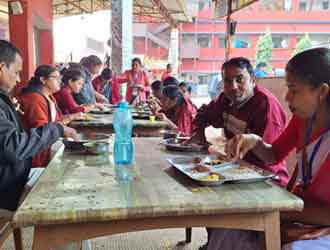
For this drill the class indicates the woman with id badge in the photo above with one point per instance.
(138, 87)
(308, 96)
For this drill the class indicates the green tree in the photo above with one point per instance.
(264, 49)
(303, 44)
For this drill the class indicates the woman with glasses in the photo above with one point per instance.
(40, 107)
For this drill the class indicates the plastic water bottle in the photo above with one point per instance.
(123, 151)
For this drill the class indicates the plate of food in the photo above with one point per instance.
(85, 138)
(213, 171)
(178, 144)
(101, 110)
(141, 114)
(86, 117)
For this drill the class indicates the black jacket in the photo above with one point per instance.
(16, 150)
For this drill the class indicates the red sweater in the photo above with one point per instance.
(36, 114)
(66, 102)
(293, 138)
(184, 115)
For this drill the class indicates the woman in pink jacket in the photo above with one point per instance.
(138, 86)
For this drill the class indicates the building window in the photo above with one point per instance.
(204, 41)
(221, 42)
(188, 39)
(241, 41)
(203, 79)
(287, 5)
(319, 40)
(280, 41)
(320, 5)
(303, 5)
(204, 5)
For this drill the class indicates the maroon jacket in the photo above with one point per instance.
(262, 114)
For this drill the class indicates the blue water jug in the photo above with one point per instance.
(123, 151)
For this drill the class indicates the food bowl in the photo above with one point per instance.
(169, 134)
(84, 138)
(97, 147)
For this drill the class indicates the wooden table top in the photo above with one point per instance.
(106, 121)
(80, 188)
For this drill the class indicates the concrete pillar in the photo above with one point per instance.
(36, 16)
(173, 54)
(46, 46)
(121, 35)
(21, 34)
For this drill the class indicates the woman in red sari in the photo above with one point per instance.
(138, 87)
(308, 96)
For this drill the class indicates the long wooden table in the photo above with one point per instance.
(104, 124)
(79, 197)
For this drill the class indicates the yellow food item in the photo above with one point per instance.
(212, 177)
(89, 118)
(218, 161)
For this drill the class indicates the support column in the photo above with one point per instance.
(121, 35)
(21, 34)
(173, 54)
(46, 47)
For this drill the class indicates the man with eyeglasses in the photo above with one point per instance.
(243, 107)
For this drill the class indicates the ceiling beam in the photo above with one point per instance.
(164, 12)
(77, 6)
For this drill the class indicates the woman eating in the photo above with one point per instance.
(308, 96)
(183, 110)
(72, 80)
(40, 106)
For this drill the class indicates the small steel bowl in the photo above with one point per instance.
(97, 147)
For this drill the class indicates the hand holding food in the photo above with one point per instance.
(240, 145)
(71, 133)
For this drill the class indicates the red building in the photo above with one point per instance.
(202, 43)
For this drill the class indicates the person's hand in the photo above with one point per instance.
(98, 105)
(240, 145)
(315, 234)
(89, 107)
(103, 99)
(163, 117)
(79, 115)
(196, 138)
(71, 133)
(17, 105)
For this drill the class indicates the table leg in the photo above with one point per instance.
(40, 241)
(272, 231)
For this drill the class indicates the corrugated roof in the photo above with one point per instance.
(171, 11)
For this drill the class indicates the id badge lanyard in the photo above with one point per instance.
(307, 164)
